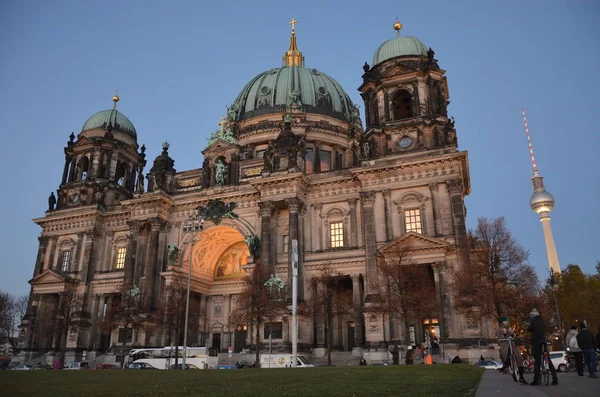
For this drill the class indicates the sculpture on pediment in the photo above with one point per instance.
(253, 243)
(232, 111)
(172, 253)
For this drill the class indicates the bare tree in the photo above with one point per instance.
(129, 315)
(329, 301)
(170, 316)
(257, 304)
(405, 290)
(12, 311)
(68, 320)
(498, 281)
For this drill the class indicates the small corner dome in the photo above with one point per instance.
(399, 46)
(113, 118)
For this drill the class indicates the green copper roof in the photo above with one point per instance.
(113, 118)
(399, 46)
(315, 91)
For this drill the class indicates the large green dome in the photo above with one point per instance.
(399, 46)
(271, 91)
(113, 118)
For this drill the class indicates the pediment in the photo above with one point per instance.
(49, 276)
(395, 70)
(219, 146)
(414, 241)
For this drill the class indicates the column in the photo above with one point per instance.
(435, 203)
(455, 189)
(266, 209)
(66, 169)
(353, 223)
(318, 226)
(443, 298)
(387, 197)
(76, 258)
(39, 261)
(301, 250)
(368, 200)
(134, 229)
(358, 310)
(94, 325)
(87, 267)
(293, 205)
(155, 226)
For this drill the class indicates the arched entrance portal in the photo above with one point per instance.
(219, 254)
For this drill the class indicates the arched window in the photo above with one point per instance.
(336, 228)
(120, 252)
(82, 168)
(402, 105)
(121, 174)
(411, 208)
(65, 255)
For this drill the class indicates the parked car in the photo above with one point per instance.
(43, 366)
(21, 367)
(139, 366)
(106, 366)
(559, 359)
(187, 366)
(76, 365)
(488, 364)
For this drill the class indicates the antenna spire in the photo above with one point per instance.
(533, 163)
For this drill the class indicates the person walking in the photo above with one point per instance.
(573, 347)
(505, 331)
(537, 327)
(586, 342)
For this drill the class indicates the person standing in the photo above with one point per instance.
(586, 342)
(573, 347)
(537, 327)
(395, 355)
(504, 332)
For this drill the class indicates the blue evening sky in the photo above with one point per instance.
(178, 64)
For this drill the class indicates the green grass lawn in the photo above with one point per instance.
(417, 380)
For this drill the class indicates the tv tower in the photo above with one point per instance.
(542, 202)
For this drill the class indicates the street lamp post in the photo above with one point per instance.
(552, 285)
(195, 224)
(215, 211)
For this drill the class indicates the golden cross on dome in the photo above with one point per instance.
(293, 22)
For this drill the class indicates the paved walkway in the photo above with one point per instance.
(569, 384)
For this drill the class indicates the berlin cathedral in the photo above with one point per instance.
(293, 155)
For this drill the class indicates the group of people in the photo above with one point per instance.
(582, 345)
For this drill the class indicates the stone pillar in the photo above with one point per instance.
(387, 197)
(294, 205)
(66, 169)
(357, 299)
(266, 209)
(39, 261)
(94, 324)
(353, 223)
(134, 229)
(301, 251)
(435, 203)
(318, 226)
(443, 298)
(87, 267)
(155, 225)
(455, 189)
(76, 258)
(50, 248)
(368, 200)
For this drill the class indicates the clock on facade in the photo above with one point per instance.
(405, 142)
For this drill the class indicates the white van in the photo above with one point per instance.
(283, 360)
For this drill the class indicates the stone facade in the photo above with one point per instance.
(345, 192)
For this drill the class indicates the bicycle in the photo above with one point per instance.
(545, 367)
(512, 360)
